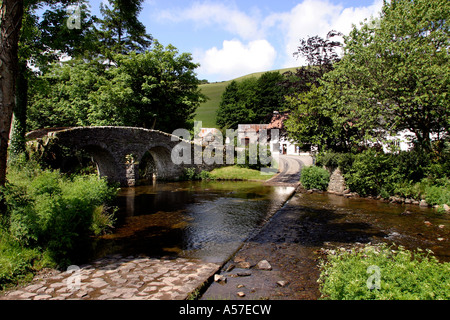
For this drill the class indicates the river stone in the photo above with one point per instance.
(220, 278)
(282, 283)
(264, 265)
(243, 265)
(423, 203)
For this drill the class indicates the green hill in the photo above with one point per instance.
(206, 112)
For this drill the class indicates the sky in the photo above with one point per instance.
(234, 37)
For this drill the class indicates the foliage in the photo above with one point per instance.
(310, 120)
(409, 174)
(250, 100)
(320, 55)
(404, 275)
(51, 211)
(310, 123)
(236, 104)
(120, 30)
(395, 76)
(191, 174)
(368, 173)
(314, 177)
(17, 262)
(155, 89)
(333, 160)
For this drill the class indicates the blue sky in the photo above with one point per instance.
(233, 38)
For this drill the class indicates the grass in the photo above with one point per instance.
(238, 173)
(380, 272)
(18, 264)
(206, 112)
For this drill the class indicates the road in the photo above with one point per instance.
(290, 169)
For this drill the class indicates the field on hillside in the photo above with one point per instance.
(206, 112)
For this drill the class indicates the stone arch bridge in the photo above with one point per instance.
(119, 152)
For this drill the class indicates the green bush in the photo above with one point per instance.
(48, 210)
(404, 275)
(189, 174)
(334, 160)
(314, 177)
(437, 195)
(16, 262)
(369, 173)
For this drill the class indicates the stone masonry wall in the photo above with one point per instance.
(337, 182)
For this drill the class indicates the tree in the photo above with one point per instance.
(43, 42)
(154, 89)
(320, 55)
(309, 121)
(120, 30)
(251, 100)
(270, 96)
(11, 13)
(396, 76)
(236, 105)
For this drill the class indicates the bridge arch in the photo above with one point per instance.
(154, 162)
(120, 153)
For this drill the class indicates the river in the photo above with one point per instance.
(213, 220)
(208, 220)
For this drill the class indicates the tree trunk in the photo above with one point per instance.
(17, 138)
(11, 12)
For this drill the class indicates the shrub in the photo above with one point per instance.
(404, 275)
(334, 160)
(315, 178)
(369, 173)
(437, 195)
(205, 175)
(16, 262)
(189, 174)
(52, 211)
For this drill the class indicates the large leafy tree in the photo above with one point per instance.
(309, 122)
(154, 89)
(395, 73)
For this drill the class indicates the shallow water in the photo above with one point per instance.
(211, 220)
(206, 220)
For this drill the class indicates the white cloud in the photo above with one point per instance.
(229, 18)
(254, 35)
(235, 59)
(317, 17)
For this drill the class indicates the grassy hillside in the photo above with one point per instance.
(207, 110)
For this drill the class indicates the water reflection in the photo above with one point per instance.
(210, 220)
(207, 220)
